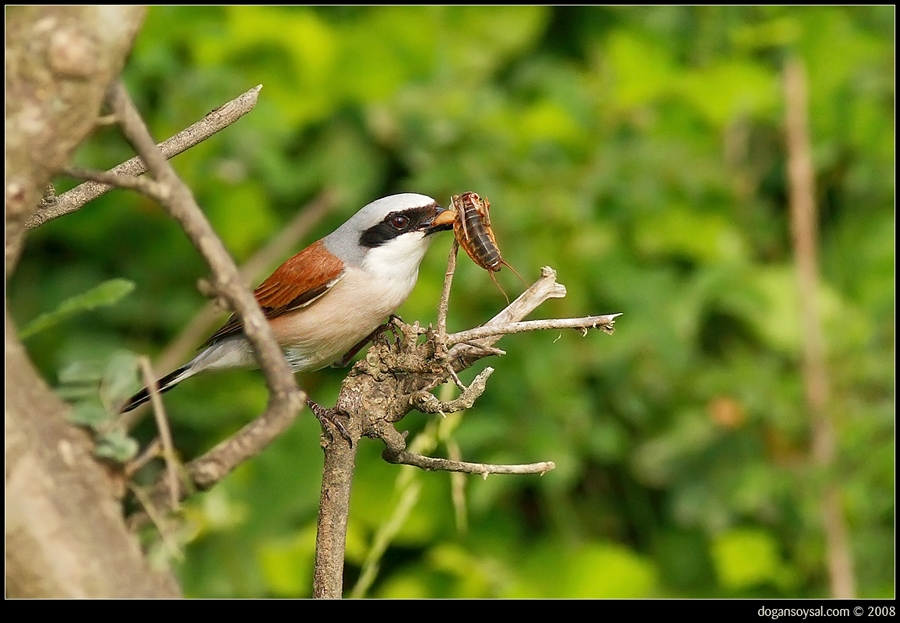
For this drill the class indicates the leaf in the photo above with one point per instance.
(81, 373)
(747, 557)
(107, 293)
(89, 413)
(74, 393)
(286, 563)
(117, 446)
(120, 379)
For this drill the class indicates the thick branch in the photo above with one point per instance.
(397, 375)
(65, 536)
(285, 399)
(334, 509)
(204, 321)
(252, 271)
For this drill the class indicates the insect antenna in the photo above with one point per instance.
(502, 261)
(496, 283)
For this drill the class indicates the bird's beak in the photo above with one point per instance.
(443, 220)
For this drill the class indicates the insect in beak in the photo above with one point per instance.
(472, 228)
(444, 220)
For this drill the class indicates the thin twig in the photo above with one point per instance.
(426, 402)
(604, 323)
(395, 452)
(153, 450)
(803, 217)
(285, 400)
(444, 304)
(214, 121)
(145, 185)
(162, 425)
(158, 521)
(204, 321)
(446, 465)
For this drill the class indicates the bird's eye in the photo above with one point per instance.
(399, 222)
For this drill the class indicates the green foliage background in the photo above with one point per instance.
(639, 152)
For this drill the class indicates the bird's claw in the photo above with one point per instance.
(328, 419)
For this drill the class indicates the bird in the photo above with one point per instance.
(332, 295)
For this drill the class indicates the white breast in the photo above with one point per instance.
(318, 335)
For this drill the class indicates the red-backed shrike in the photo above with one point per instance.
(334, 293)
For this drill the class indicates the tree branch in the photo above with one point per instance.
(444, 304)
(396, 375)
(144, 185)
(334, 509)
(204, 321)
(446, 465)
(427, 403)
(213, 122)
(815, 375)
(604, 323)
(65, 536)
(162, 425)
(285, 399)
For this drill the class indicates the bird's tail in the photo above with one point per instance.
(164, 384)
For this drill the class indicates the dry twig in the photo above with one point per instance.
(204, 321)
(803, 217)
(285, 400)
(162, 425)
(55, 206)
(396, 376)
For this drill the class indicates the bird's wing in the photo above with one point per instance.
(292, 286)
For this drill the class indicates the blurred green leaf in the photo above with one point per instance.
(89, 413)
(745, 558)
(81, 372)
(610, 571)
(732, 91)
(682, 232)
(593, 570)
(107, 293)
(287, 564)
(120, 379)
(642, 69)
(117, 446)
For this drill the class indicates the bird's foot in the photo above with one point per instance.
(328, 419)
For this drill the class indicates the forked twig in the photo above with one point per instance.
(218, 119)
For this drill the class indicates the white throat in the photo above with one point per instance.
(398, 259)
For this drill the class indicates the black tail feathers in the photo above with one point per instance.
(164, 384)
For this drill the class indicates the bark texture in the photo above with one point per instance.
(65, 533)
